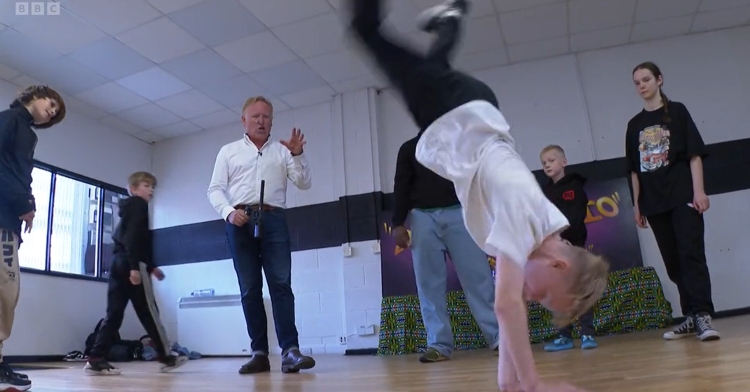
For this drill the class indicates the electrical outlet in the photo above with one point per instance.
(376, 248)
(342, 339)
(347, 250)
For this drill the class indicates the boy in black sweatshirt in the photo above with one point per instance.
(566, 192)
(37, 107)
(130, 280)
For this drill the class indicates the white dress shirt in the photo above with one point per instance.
(240, 167)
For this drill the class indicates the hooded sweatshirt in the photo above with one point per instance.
(568, 196)
(132, 237)
(17, 144)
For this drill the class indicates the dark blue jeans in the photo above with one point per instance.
(271, 254)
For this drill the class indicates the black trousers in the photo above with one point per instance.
(119, 293)
(679, 235)
(429, 85)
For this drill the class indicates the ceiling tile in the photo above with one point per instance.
(65, 32)
(76, 105)
(111, 58)
(217, 119)
(538, 50)
(278, 106)
(514, 5)
(24, 81)
(8, 15)
(478, 61)
(534, 24)
(706, 21)
(112, 97)
(309, 97)
(149, 116)
(600, 39)
(116, 123)
(235, 91)
(245, 53)
(201, 68)
(66, 74)
(590, 15)
(232, 21)
(148, 137)
(481, 34)
(113, 17)
(176, 130)
(648, 10)
(167, 6)
(317, 35)
(358, 83)
(8, 73)
(190, 104)
(287, 78)
(17, 50)
(153, 83)
(715, 5)
(160, 40)
(280, 12)
(661, 28)
(341, 65)
(401, 16)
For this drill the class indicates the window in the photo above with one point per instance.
(73, 226)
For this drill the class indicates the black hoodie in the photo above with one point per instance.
(570, 198)
(132, 236)
(17, 144)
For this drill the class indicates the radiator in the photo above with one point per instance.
(213, 325)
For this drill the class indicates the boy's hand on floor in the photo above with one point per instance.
(135, 277)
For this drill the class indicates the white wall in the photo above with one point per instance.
(583, 102)
(56, 314)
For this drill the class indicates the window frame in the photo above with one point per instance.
(102, 187)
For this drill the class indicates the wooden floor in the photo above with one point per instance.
(635, 362)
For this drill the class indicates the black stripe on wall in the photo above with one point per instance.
(355, 218)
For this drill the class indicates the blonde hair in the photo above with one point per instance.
(553, 147)
(255, 99)
(588, 281)
(137, 178)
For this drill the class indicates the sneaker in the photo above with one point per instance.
(430, 17)
(432, 355)
(588, 342)
(704, 330)
(100, 367)
(172, 362)
(6, 368)
(560, 344)
(686, 329)
(11, 382)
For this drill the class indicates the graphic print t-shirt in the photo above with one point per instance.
(659, 153)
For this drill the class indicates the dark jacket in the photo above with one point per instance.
(132, 237)
(17, 144)
(570, 198)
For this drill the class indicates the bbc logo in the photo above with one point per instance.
(37, 8)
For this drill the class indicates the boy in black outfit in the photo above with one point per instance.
(566, 192)
(37, 107)
(130, 280)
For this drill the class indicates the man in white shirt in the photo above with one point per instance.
(235, 193)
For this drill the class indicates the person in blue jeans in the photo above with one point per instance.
(432, 207)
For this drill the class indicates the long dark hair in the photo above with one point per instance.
(650, 66)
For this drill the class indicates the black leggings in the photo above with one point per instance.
(428, 84)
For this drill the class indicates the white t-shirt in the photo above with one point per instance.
(505, 210)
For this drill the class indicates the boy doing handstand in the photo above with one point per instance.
(465, 138)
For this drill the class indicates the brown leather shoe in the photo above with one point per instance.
(294, 361)
(258, 364)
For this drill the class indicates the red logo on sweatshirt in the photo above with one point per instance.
(569, 195)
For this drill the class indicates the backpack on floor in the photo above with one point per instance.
(91, 339)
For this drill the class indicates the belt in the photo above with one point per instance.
(255, 207)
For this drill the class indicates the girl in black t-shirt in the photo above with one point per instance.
(664, 153)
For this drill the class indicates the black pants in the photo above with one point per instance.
(679, 235)
(428, 84)
(119, 293)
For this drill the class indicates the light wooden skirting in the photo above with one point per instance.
(641, 362)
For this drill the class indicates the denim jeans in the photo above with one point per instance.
(435, 232)
(272, 255)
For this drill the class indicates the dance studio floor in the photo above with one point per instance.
(635, 362)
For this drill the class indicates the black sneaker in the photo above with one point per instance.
(686, 329)
(704, 330)
(172, 362)
(100, 367)
(432, 16)
(11, 382)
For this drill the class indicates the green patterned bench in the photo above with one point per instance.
(634, 301)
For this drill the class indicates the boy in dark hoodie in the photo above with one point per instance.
(37, 107)
(130, 280)
(566, 192)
